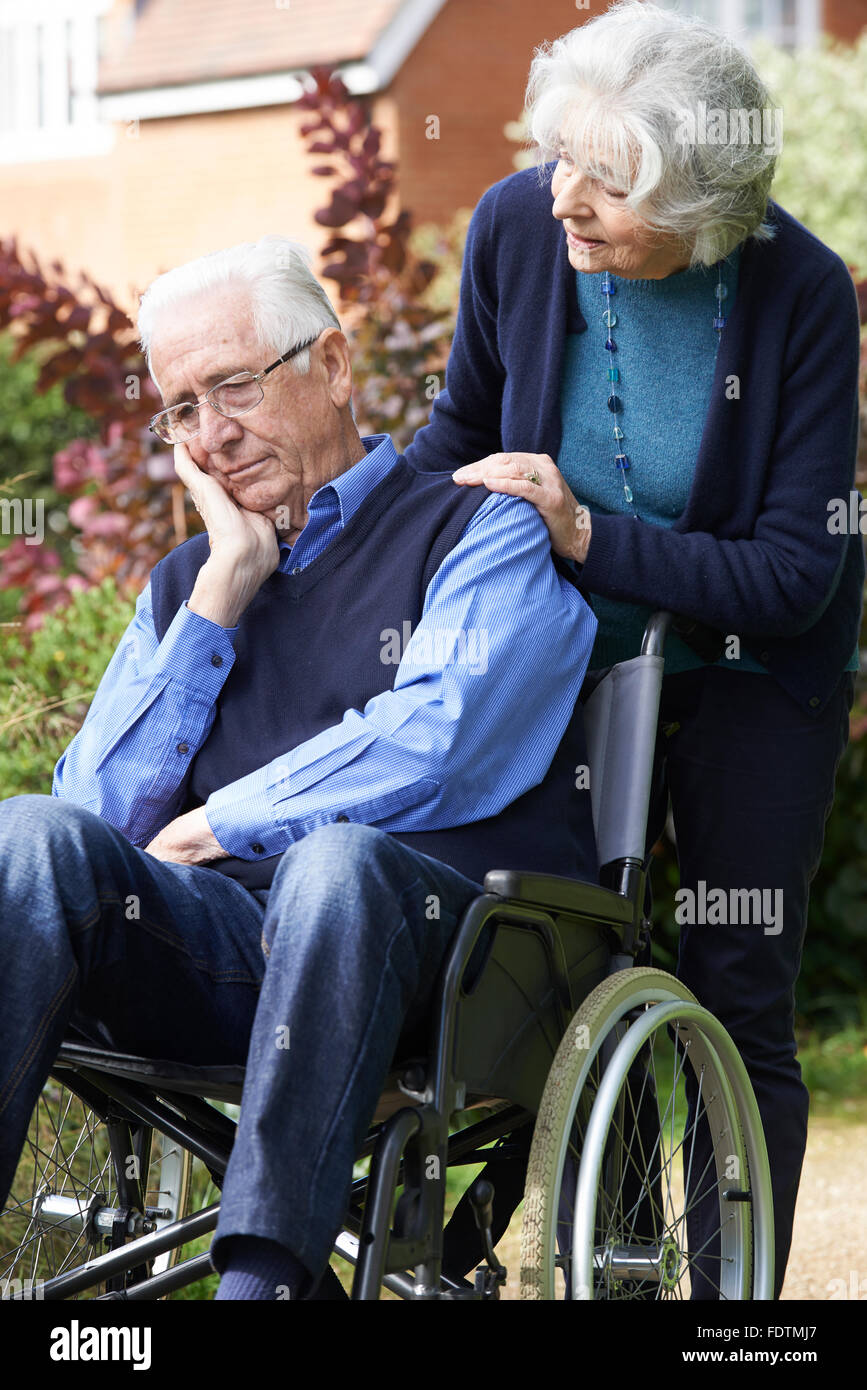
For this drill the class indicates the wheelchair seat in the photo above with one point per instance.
(221, 1083)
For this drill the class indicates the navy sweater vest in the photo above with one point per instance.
(309, 647)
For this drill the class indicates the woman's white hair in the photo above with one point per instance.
(288, 303)
(624, 91)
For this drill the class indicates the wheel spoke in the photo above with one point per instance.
(66, 1165)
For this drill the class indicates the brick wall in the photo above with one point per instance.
(845, 19)
(470, 71)
(170, 190)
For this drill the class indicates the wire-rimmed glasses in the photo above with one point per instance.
(234, 396)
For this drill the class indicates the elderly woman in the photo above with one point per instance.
(664, 362)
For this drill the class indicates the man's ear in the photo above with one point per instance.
(337, 364)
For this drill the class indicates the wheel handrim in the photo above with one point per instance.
(661, 1265)
(608, 1014)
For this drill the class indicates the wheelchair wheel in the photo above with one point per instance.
(648, 1174)
(78, 1171)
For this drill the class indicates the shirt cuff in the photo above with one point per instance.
(244, 823)
(197, 652)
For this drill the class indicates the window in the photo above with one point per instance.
(49, 56)
(788, 23)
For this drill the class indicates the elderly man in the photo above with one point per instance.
(327, 720)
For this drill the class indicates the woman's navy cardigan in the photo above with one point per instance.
(752, 553)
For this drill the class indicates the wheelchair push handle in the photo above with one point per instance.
(658, 625)
(707, 642)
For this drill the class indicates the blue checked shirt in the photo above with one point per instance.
(454, 741)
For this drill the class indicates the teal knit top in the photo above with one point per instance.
(666, 356)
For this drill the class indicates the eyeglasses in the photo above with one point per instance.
(235, 396)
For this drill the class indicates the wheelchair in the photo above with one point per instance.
(596, 1089)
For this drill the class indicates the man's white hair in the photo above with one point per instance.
(287, 301)
(621, 89)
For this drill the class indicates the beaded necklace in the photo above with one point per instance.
(615, 404)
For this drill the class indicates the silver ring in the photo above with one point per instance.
(533, 477)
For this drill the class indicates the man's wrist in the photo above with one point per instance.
(208, 838)
(215, 610)
(212, 599)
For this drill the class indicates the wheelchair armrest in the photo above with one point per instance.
(559, 893)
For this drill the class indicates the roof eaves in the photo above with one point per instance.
(371, 74)
(400, 36)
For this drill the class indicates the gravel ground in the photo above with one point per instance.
(829, 1245)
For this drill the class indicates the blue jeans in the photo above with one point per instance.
(315, 984)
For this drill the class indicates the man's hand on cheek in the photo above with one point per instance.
(244, 547)
(233, 531)
(188, 839)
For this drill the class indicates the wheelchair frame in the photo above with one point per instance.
(544, 943)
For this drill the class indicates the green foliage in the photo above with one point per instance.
(48, 681)
(822, 171)
(127, 506)
(33, 426)
(835, 1068)
(444, 246)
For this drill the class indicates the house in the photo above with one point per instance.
(135, 134)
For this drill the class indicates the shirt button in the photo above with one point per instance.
(764, 656)
(343, 818)
(297, 569)
(183, 748)
(814, 701)
(257, 848)
(216, 660)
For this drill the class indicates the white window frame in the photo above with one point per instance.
(735, 17)
(68, 125)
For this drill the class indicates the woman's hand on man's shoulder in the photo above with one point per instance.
(536, 478)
